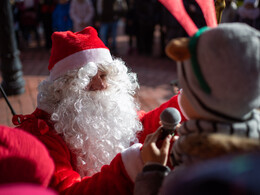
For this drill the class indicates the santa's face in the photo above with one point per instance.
(96, 113)
(98, 82)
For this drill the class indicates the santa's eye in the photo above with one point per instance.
(103, 76)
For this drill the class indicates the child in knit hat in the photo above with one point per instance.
(221, 92)
(219, 72)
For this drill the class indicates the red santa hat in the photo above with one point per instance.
(72, 51)
(23, 158)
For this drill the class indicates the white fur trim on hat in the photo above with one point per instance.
(78, 60)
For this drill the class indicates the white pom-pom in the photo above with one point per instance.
(87, 71)
(91, 69)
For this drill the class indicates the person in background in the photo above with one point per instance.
(131, 25)
(169, 28)
(230, 12)
(109, 12)
(46, 9)
(29, 20)
(249, 13)
(108, 21)
(61, 20)
(81, 13)
(16, 15)
(147, 16)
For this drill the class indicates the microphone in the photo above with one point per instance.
(170, 118)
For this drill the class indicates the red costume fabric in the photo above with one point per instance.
(116, 178)
(23, 158)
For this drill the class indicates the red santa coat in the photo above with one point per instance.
(116, 178)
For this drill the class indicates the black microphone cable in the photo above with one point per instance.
(6, 99)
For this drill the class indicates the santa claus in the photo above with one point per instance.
(88, 118)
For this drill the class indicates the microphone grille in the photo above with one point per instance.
(170, 117)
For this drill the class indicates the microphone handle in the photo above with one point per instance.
(166, 132)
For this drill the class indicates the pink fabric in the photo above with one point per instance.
(23, 158)
(25, 189)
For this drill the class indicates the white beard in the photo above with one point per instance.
(97, 125)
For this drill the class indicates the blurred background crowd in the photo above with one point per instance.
(36, 20)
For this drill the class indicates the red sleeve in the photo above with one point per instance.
(112, 179)
(150, 120)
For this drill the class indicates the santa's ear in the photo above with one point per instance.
(177, 49)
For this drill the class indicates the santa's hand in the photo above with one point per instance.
(151, 153)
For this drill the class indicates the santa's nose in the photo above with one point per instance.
(97, 83)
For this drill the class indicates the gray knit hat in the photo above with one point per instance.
(222, 78)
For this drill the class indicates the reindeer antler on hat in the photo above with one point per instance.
(178, 48)
(177, 9)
